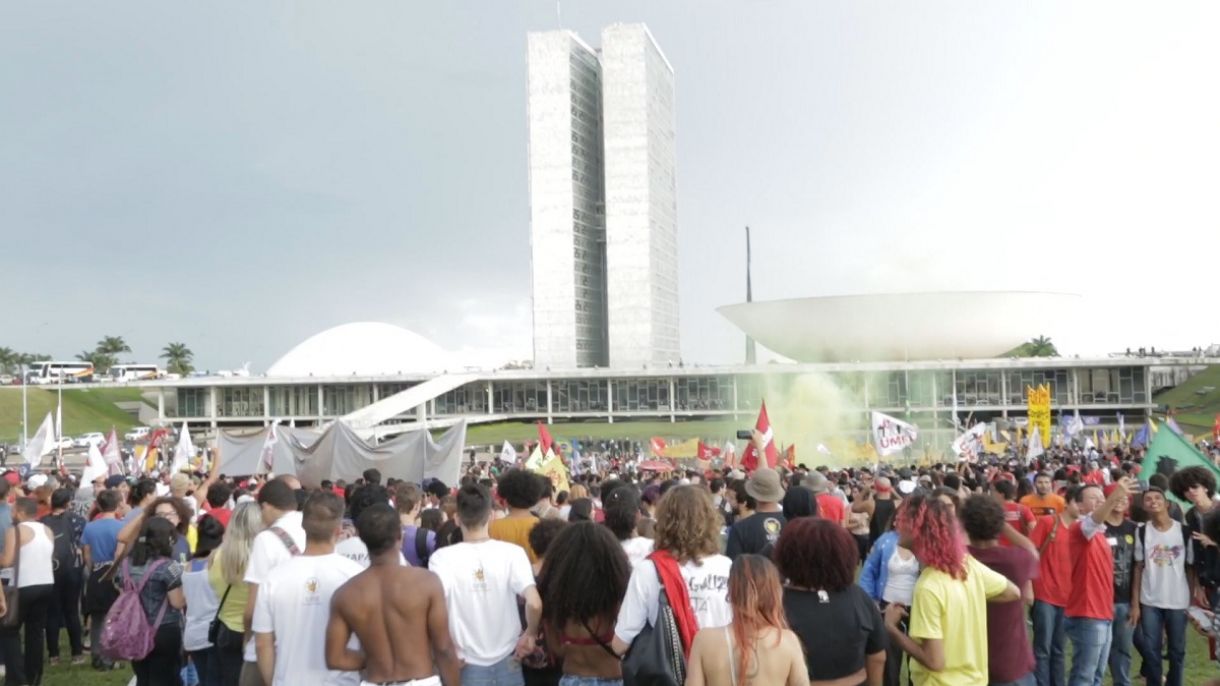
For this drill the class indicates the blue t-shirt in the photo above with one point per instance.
(102, 536)
(6, 521)
(409, 550)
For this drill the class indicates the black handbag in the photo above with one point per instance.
(655, 657)
(12, 614)
(214, 625)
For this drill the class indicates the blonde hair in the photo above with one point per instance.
(687, 524)
(578, 491)
(245, 523)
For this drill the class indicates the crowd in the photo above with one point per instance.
(800, 576)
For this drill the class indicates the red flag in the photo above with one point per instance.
(749, 459)
(1216, 429)
(790, 456)
(658, 446)
(705, 451)
(544, 438)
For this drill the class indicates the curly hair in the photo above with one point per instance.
(543, 534)
(1185, 479)
(756, 596)
(817, 554)
(934, 532)
(584, 576)
(688, 525)
(519, 488)
(982, 517)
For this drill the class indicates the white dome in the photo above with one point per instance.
(362, 349)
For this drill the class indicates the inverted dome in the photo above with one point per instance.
(362, 349)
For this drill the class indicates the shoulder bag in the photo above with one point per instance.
(12, 614)
(655, 657)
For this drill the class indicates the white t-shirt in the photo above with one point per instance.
(268, 552)
(637, 549)
(482, 581)
(707, 583)
(355, 550)
(1165, 560)
(294, 604)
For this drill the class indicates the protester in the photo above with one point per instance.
(888, 576)
(1120, 534)
(397, 612)
(364, 497)
(161, 596)
(202, 604)
(1197, 486)
(1162, 557)
(837, 623)
(418, 543)
(68, 563)
(582, 583)
(520, 490)
(293, 602)
(98, 543)
(1010, 658)
(483, 578)
(226, 572)
(622, 508)
(798, 502)
(1044, 501)
(1016, 515)
(756, 647)
(36, 584)
(281, 540)
(948, 625)
(1052, 590)
(758, 533)
(829, 505)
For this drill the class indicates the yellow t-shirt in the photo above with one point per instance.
(956, 613)
(515, 530)
(235, 605)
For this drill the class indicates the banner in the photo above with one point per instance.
(683, 450)
(1039, 402)
(969, 444)
(749, 459)
(1168, 453)
(892, 435)
(554, 469)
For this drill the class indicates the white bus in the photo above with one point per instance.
(48, 372)
(135, 372)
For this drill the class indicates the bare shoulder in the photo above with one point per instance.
(789, 640)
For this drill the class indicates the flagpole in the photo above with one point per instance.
(25, 413)
(59, 424)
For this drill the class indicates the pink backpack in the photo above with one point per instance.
(127, 633)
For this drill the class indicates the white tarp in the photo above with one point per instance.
(338, 452)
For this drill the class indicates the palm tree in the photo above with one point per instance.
(1042, 347)
(178, 358)
(113, 345)
(101, 361)
(8, 361)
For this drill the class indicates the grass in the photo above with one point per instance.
(84, 410)
(1197, 401)
(517, 432)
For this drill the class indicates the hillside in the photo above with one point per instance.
(84, 410)
(1197, 401)
(516, 433)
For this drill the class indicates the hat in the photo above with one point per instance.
(764, 486)
(906, 487)
(115, 481)
(37, 481)
(816, 483)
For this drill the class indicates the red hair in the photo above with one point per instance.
(935, 534)
(756, 597)
(817, 554)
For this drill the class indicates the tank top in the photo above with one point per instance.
(883, 512)
(35, 567)
(900, 580)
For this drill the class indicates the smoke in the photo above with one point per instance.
(811, 409)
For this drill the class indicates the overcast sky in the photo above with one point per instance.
(240, 175)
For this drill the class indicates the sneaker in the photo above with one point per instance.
(54, 661)
(78, 660)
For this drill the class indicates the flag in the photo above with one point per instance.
(1142, 436)
(544, 438)
(1216, 429)
(749, 459)
(1122, 426)
(267, 460)
(1036, 448)
(183, 452)
(892, 435)
(823, 449)
(704, 456)
(658, 446)
(534, 463)
(790, 456)
(1116, 439)
(682, 450)
(730, 454)
(112, 454)
(95, 467)
(508, 453)
(1075, 424)
(1169, 452)
(970, 442)
(42, 443)
(554, 469)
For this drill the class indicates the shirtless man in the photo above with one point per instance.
(390, 600)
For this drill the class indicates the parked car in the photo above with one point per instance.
(137, 433)
(91, 438)
(7, 379)
(66, 443)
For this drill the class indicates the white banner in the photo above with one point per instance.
(970, 443)
(892, 435)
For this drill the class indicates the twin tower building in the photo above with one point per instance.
(603, 201)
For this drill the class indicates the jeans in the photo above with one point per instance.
(573, 680)
(64, 612)
(207, 665)
(25, 666)
(1121, 635)
(1154, 622)
(1049, 642)
(228, 656)
(1027, 680)
(1090, 647)
(506, 672)
(163, 666)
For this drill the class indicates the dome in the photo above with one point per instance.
(362, 349)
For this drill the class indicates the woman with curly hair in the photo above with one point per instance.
(837, 622)
(687, 563)
(583, 580)
(757, 647)
(948, 626)
(520, 490)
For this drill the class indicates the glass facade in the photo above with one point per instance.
(636, 395)
(192, 402)
(240, 401)
(468, 399)
(340, 399)
(579, 395)
(294, 401)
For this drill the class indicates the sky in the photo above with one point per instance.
(238, 176)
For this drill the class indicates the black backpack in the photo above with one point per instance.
(66, 555)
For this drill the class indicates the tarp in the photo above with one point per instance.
(338, 452)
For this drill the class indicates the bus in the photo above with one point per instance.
(135, 372)
(49, 372)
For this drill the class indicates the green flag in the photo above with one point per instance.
(1169, 452)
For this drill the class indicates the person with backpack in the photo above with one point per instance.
(418, 543)
(1162, 588)
(28, 549)
(67, 564)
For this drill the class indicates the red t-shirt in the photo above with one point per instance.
(1095, 477)
(830, 507)
(220, 514)
(1009, 652)
(1092, 574)
(1020, 517)
(1054, 582)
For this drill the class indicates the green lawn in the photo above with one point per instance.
(1197, 401)
(85, 410)
(517, 432)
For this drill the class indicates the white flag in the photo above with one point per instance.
(268, 457)
(42, 443)
(111, 453)
(892, 435)
(823, 449)
(183, 452)
(969, 443)
(95, 467)
(508, 453)
(535, 461)
(1036, 448)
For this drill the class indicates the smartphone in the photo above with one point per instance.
(745, 435)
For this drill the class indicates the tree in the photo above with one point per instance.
(8, 361)
(113, 345)
(101, 361)
(1042, 346)
(178, 358)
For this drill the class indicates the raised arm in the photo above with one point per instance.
(201, 493)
